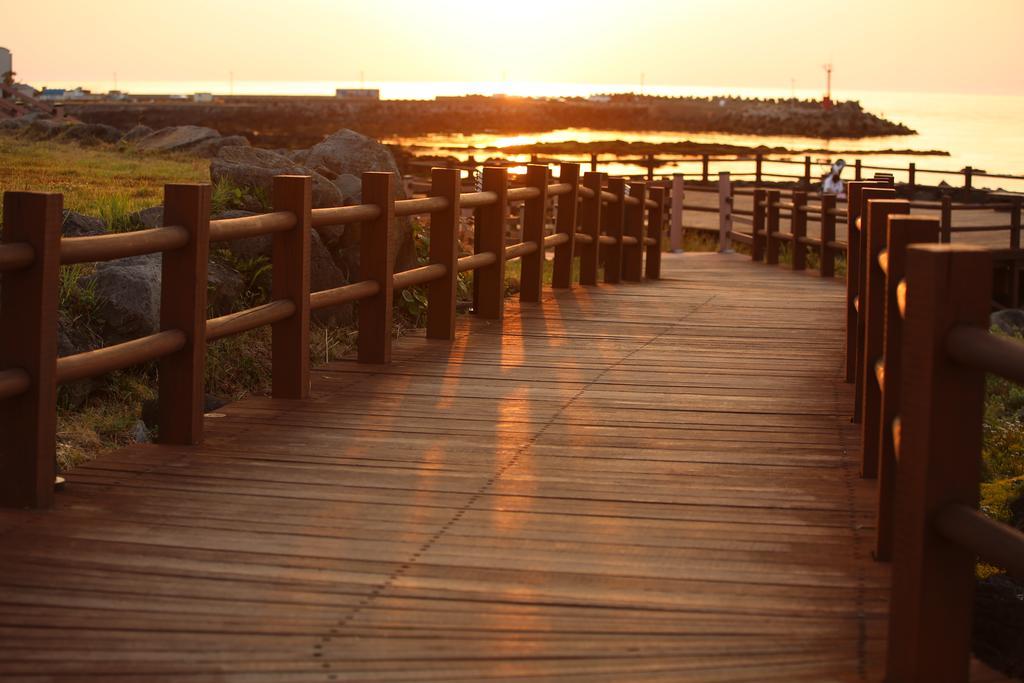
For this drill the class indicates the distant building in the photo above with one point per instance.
(24, 90)
(599, 98)
(359, 94)
(202, 97)
(62, 94)
(52, 94)
(6, 62)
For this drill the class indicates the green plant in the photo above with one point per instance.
(228, 196)
(115, 209)
(76, 294)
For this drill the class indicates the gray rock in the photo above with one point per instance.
(212, 146)
(139, 432)
(1009, 321)
(46, 129)
(128, 296)
(176, 139)
(348, 152)
(225, 289)
(79, 225)
(256, 168)
(137, 133)
(152, 217)
(90, 134)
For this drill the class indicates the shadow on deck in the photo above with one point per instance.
(648, 482)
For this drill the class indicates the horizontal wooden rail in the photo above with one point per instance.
(558, 189)
(518, 194)
(225, 229)
(581, 238)
(481, 260)
(978, 348)
(14, 382)
(418, 276)
(998, 544)
(556, 240)
(16, 255)
(515, 251)
(119, 356)
(422, 205)
(475, 200)
(96, 248)
(249, 319)
(343, 215)
(345, 294)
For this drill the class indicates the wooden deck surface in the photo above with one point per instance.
(651, 482)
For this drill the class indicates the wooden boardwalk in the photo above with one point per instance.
(651, 482)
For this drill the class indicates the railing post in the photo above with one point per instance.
(633, 256)
(771, 227)
(290, 259)
(590, 220)
(725, 200)
(757, 225)
(444, 249)
(375, 263)
(856, 170)
(705, 163)
(968, 177)
(593, 163)
(798, 230)
(1015, 207)
(902, 232)
(492, 238)
(807, 171)
(939, 460)
(676, 220)
(946, 219)
(861, 227)
(852, 272)
(565, 224)
(912, 176)
(655, 230)
(183, 307)
(614, 217)
(650, 168)
(28, 313)
(531, 276)
(758, 165)
(828, 235)
(875, 224)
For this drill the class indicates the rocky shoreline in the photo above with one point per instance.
(301, 122)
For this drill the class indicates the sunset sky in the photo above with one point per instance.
(938, 45)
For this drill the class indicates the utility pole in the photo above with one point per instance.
(827, 102)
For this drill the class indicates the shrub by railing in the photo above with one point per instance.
(625, 219)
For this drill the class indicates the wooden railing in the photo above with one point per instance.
(625, 219)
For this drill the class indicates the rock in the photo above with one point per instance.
(348, 152)
(152, 217)
(1009, 321)
(128, 297)
(226, 289)
(140, 434)
(344, 156)
(176, 139)
(90, 134)
(249, 167)
(79, 225)
(46, 129)
(211, 147)
(137, 133)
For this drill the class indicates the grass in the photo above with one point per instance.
(109, 182)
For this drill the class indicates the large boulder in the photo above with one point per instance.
(1009, 321)
(137, 133)
(151, 217)
(249, 167)
(177, 139)
(213, 146)
(127, 295)
(90, 134)
(79, 225)
(47, 129)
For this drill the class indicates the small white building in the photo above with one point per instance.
(6, 62)
(202, 97)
